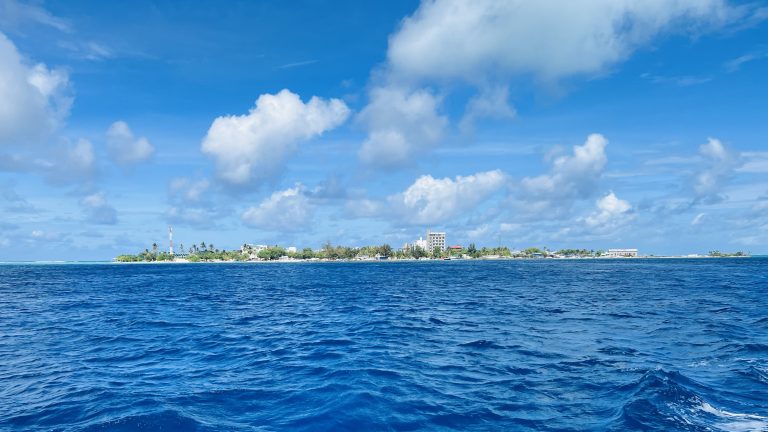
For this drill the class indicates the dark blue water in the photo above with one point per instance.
(525, 345)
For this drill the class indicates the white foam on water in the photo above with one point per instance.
(736, 422)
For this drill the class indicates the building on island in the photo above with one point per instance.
(252, 250)
(456, 248)
(621, 253)
(435, 240)
(421, 243)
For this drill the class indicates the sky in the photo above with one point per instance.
(594, 124)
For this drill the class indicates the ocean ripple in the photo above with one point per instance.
(459, 345)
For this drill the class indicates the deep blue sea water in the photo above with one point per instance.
(461, 345)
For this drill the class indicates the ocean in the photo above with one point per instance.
(646, 344)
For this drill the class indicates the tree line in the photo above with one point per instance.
(208, 252)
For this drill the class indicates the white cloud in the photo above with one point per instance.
(124, 147)
(81, 157)
(508, 227)
(489, 103)
(720, 167)
(286, 210)
(698, 218)
(401, 124)
(255, 145)
(200, 217)
(735, 64)
(572, 176)
(89, 50)
(187, 190)
(98, 210)
(14, 14)
(192, 203)
(70, 163)
(365, 208)
(429, 200)
(35, 99)
(487, 43)
(610, 214)
(481, 39)
(754, 162)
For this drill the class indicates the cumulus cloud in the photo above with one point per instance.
(35, 99)
(429, 200)
(487, 43)
(720, 165)
(401, 124)
(98, 210)
(611, 213)
(478, 40)
(286, 210)
(254, 146)
(124, 147)
(574, 176)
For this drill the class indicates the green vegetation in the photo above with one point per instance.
(718, 254)
(195, 255)
(208, 252)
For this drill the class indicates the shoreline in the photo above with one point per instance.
(181, 261)
(299, 261)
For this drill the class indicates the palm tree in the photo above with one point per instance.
(202, 246)
(154, 247)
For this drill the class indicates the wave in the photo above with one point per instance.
(663, 400)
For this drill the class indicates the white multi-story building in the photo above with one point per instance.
(291, 249)
(435, 239)
(621, 253)
(421, 243)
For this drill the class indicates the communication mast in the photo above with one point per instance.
(170, 240)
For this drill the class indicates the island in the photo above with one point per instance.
(259, 253)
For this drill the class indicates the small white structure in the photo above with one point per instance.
(421, 243)
(291, 249)
(252, 250)
(621, 253)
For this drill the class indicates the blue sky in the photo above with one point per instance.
(598, 124)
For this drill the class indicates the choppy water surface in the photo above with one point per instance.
(533, 345)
